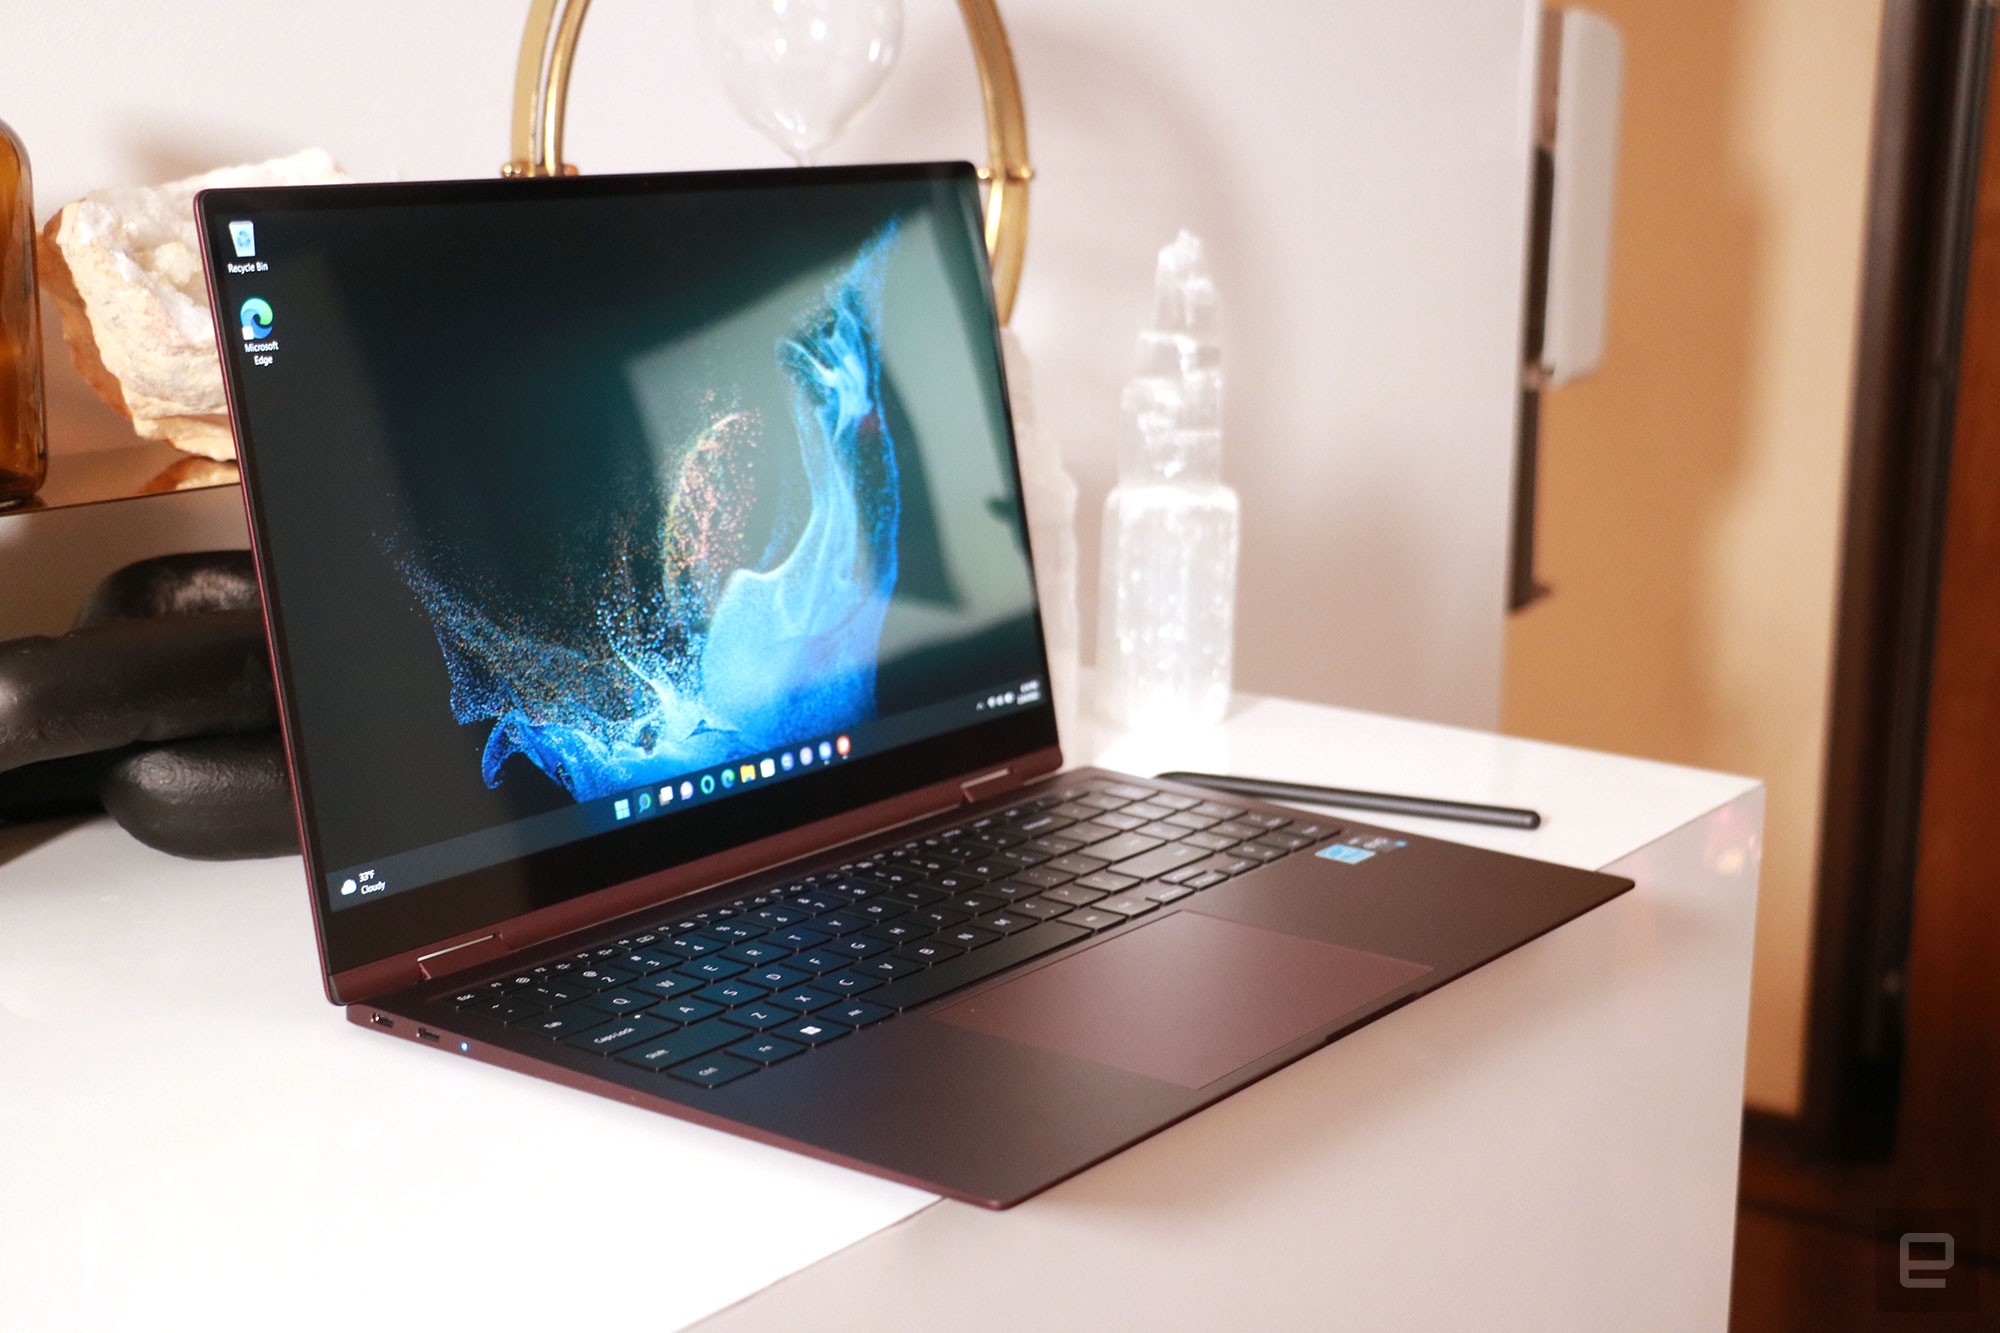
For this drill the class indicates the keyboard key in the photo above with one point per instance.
(1076, 864)
(673, 983)
(712, 1071)
(1239, 829)
(467, 999)
(1005, 923)
(1122, 846)
(761, 1015)
(1075, 895)
(798, 937)
(850, 983)
(686, 1009)
(1227, 863)
(821, 960)
(1131, 905)
(889, 966)
(882, 909)
(838, 923)
(1045, 822)
(858, 946)
(555, 993)
(1166, 893)
(1104, 881)
(1147, 811)
(813, 1031)
(734, 931)
(618, 1034)
(1128, 790)
(756, 951)
(1121, 822)
(717, 968)
(562, 1022)
(1192, 820)
(1091, 919)
(694, 946)
(765, 1050)
(949, 976)
(1269, 823)
(1255, 851)
(509, 1010)
(1215, 810)
(729, 994)
(626, 999)
(775, 978)
(1041, 909)
(781, 915)
(856, 1013)
(938, 918)
(958, 881)
(928, 952)
(643, 961)
(1214, 842)
(1284, 842)
(1173, 802)
(687, 1044)
(978, 904)
(899, 932)
(599, 978)
(801, 999)
(1042, 877)
(818, 902)
(967, 937)
(1207, 879)
(1160, 860)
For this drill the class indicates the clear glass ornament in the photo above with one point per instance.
(801, 70)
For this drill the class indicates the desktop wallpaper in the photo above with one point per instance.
(563, 500)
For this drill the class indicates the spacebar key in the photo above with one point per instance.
(913, 990)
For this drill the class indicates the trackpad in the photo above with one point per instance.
(1186, 999)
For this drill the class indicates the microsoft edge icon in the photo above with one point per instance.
(256, 319)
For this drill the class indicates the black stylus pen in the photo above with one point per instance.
(1465, 812)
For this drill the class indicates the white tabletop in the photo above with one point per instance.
(190, 1136)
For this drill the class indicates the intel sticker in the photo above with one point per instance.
(1346, 855)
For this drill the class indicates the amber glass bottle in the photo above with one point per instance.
(23, 451)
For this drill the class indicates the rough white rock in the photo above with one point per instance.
(123, 266)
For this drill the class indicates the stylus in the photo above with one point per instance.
(1464, 811)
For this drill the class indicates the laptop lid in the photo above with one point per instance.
(620, 533)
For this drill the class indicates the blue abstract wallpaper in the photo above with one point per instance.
(716, 651)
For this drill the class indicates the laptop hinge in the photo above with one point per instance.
(985, 785)
(458, 957)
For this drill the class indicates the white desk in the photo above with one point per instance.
(1549, 1143)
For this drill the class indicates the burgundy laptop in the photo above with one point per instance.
(661, 671)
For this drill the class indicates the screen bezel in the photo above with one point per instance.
(482, 899)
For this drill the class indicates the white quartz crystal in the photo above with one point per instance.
(124, 268)
(1167, 601)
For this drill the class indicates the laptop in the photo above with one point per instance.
(661, 672)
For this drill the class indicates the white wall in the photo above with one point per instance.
(1359, 171)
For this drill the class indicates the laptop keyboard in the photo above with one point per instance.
(720, 994)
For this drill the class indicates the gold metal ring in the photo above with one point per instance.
(541, 92)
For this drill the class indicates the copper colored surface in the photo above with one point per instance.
(1187, 999)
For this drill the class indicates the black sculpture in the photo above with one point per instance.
(157, 707)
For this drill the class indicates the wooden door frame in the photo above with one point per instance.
(1931, 96)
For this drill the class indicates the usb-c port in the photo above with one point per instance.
(383, 1021)
(428, 1035)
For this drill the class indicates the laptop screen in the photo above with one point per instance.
(613, 522)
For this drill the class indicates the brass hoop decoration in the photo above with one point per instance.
(541, 94)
